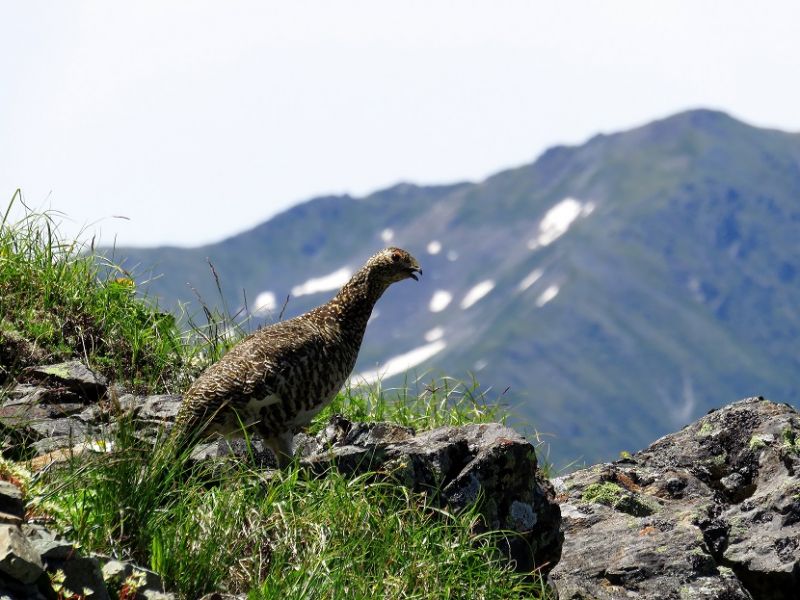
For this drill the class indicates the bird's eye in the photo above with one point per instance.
(395, 256)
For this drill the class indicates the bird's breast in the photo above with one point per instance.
(254, 408)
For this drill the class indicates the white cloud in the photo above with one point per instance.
(387, 235)
(434, 247)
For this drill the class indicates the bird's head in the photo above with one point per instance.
(393, 264)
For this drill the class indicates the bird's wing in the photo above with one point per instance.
(253, 370)
(279, 353)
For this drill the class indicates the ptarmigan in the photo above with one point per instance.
(276, 379)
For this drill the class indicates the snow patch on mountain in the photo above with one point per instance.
(547, 295)
(440, 300)
(530, 279)
(326, 283)
(480, 365)
(557, 221)
(265, 302)
(401, 363)
(696, 288)
(434, 334)
(477, 292)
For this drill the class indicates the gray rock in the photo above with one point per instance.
(162, 407)
(54, 549)
(18, 559)
(456, 466)
(73, 375)
(129, 402)
(82, 573)
(11, 589)
(156, 595)
(48, 544)
(154, 414)
(57, 442)
(35, 414)
(83, 576)
(59, 428)
(25, 393)
(110, 409)
(255, 453)
(90, 415)
(712, 511)
(18, 416)
(12, 509)
(115, 572)
(27, 403)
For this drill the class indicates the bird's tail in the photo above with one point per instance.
(192, 425)
(186, 431)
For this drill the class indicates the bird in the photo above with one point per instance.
(278, 378)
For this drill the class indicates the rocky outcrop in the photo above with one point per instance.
(72, 376)
(67, 406)
(49, 408)
(38, 564)
(50, 413)
(59, 411)
(712, 511)
(457, 466)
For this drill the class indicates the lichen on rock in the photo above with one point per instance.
(727, 523)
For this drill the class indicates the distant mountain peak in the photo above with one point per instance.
(697, 120)
(701, 115)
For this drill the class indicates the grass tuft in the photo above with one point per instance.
(286, 534)
(443, 401)
(59, 300)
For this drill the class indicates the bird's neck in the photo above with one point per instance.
(353, 305)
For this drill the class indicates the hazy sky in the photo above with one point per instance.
(198, 120)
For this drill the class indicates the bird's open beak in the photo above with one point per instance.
(412, 273)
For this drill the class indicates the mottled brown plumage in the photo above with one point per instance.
(278, 378)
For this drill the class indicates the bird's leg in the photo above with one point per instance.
(281, 446)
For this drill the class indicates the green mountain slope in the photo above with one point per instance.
(666, 256)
